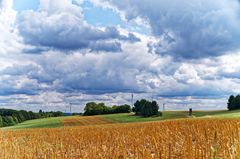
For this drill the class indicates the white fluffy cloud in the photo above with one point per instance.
(62, 26)
(71, 61)
(9, 39)
(186, 29)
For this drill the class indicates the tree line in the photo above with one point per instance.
(10, 117)
(143, 108)
(93, 108)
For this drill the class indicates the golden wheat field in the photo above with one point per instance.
(180, 139)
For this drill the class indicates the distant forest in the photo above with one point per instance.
(93, 108)
(143, 108)
(9, 117)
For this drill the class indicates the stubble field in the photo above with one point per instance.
(186, 138)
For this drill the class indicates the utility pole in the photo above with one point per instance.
(132, 100)
(152, 96)
(163, 107)
(70, 106)
(66, 108)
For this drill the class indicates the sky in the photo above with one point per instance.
(59, 53)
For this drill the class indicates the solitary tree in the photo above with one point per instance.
(146, 108)
(137, 107)
(237, 102)
(233, 102)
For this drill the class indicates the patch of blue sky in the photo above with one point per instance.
(138, 28)
(100, 16)
(20, 5)
(107, 17)
(94, 15)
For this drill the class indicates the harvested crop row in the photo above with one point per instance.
(82, 121)
(183, 139)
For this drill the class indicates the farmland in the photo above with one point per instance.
(85, 121)
(214, 134)
(120, 118)
(39, 123)
(186, 138)
(167, 115)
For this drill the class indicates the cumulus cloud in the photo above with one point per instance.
(110, 73)
(10, 42)
(187, 29)
(62, 26)
(71, 61)
(187, 74)
(18, 85)
(6, 4)
(106, 46)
